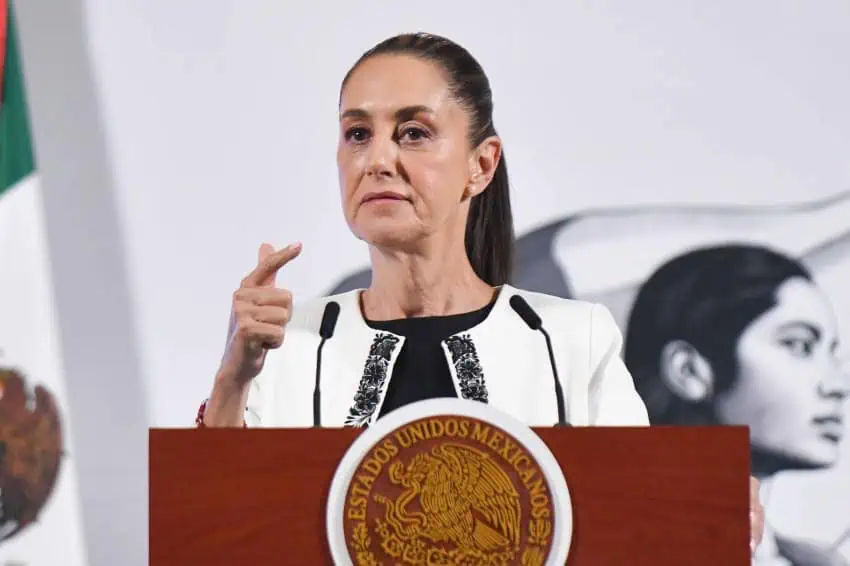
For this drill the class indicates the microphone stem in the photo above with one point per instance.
(559, 392)
(317, 394)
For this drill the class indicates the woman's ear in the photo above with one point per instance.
(482, 165)
(686, 372)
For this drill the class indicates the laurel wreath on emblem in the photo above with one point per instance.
(417, 553)
(450, 482)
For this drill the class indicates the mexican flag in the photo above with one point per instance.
(40, 515)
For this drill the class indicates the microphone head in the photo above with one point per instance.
(525, 312)
(326, 328)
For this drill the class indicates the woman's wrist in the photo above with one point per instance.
(226, 404)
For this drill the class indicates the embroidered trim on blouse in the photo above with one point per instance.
(372, 381)
(470, 375)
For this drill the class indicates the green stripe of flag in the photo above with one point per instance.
(16, 154)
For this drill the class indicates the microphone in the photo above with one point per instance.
(532, 319)
(326, 330)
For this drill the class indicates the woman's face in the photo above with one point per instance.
(791, 384)
(403, 155)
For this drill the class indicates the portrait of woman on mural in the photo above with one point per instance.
(742, 335)
(730, 334)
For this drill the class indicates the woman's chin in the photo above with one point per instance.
(391, 235)
(817, 455)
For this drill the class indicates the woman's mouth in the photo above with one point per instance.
(831, 427)
(383, 196)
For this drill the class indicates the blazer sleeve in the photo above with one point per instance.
(612, 397)
(261, 392)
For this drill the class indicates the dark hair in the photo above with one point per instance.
(707, 298)
(489, 227)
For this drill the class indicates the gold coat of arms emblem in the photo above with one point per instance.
(448, 489)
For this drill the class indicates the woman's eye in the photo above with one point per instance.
(413, 134)
(357, 135)
(799, 347)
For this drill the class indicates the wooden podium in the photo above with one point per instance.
(641, 496)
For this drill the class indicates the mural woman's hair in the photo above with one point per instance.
(707, 298)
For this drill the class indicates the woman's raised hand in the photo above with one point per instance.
(258, 317)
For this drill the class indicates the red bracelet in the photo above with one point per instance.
(199, 418)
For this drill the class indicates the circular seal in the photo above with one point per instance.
(449, 481)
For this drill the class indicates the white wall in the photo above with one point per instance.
(204, 127)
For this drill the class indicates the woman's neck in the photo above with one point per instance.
(407, 285)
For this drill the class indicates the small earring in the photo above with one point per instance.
(470, 188)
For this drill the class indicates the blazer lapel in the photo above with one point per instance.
(514, 363)
(357, 367)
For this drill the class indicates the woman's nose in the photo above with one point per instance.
(837, 384)
(382, 157)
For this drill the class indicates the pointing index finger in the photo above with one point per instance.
(264, 274)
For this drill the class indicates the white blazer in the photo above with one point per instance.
(501, 361)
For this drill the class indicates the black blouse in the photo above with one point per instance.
(421, 370)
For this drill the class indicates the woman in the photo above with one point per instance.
(741, 335)
(424, 183)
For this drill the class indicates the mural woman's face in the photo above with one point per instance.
(791, 385)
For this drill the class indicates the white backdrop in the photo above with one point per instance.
(219, 127)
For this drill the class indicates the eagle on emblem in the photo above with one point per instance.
(30, 452)
(463, 498)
